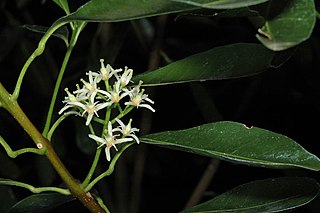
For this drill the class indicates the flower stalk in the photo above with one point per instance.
(74, 38)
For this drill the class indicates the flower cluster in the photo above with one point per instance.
(107, 89)
(110, 140)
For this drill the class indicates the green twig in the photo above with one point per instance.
(92, 169)
(56, 90)
(124, 112)
(100, 201)
(110, 169)
(32, 188)
(55, 125)
(98, 120)
(98, 152)
(73, 41)
(94, 163)
(36, 53)
(14, 154)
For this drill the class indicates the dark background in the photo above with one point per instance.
(285, 100)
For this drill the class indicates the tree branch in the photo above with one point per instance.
(12, 106)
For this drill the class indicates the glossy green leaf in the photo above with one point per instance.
(240, 12)
(271, 195)
(40, 203)
(62, 32)
(231, 61)
(222, 4)
(228, 13)
(63, 4)
(237, 143)
(288, 23)
(121, 10)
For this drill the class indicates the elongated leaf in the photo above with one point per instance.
(271, 195)
(240, 12)
(222, 4)
(237, 143)
(230, 13)
(231, 61)
(63, 4)
(62, 32)
(121, 10)
(288, 23)
(40, 203)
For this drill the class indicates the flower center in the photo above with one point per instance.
(109, 141)
(91, 109)
(136, 100)
(115, 97)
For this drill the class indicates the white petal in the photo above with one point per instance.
(110, 129)
(101, 145)
(64, 108)
(107, 151)
(120, 123)
(98, 139)
(89, 118)
(114, 145)
(117, 129)
(135, 137)
(104, 105)
(92, 96)
(72, 113)
(149, 100)
(147, 106)
(123, 140)
(103, 92)
(76, 103)
(129, 103)
(135, 129)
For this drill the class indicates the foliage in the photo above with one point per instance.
(221, 44)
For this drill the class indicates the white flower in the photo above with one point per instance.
(67, 106)
(106, 72)
(90, 89)
(125, 77)
(126, 130)
(115, 95)
(70, 97)
(137, 98)
(81, 94)
(69, 100)
(109, 140)
(90, 107)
